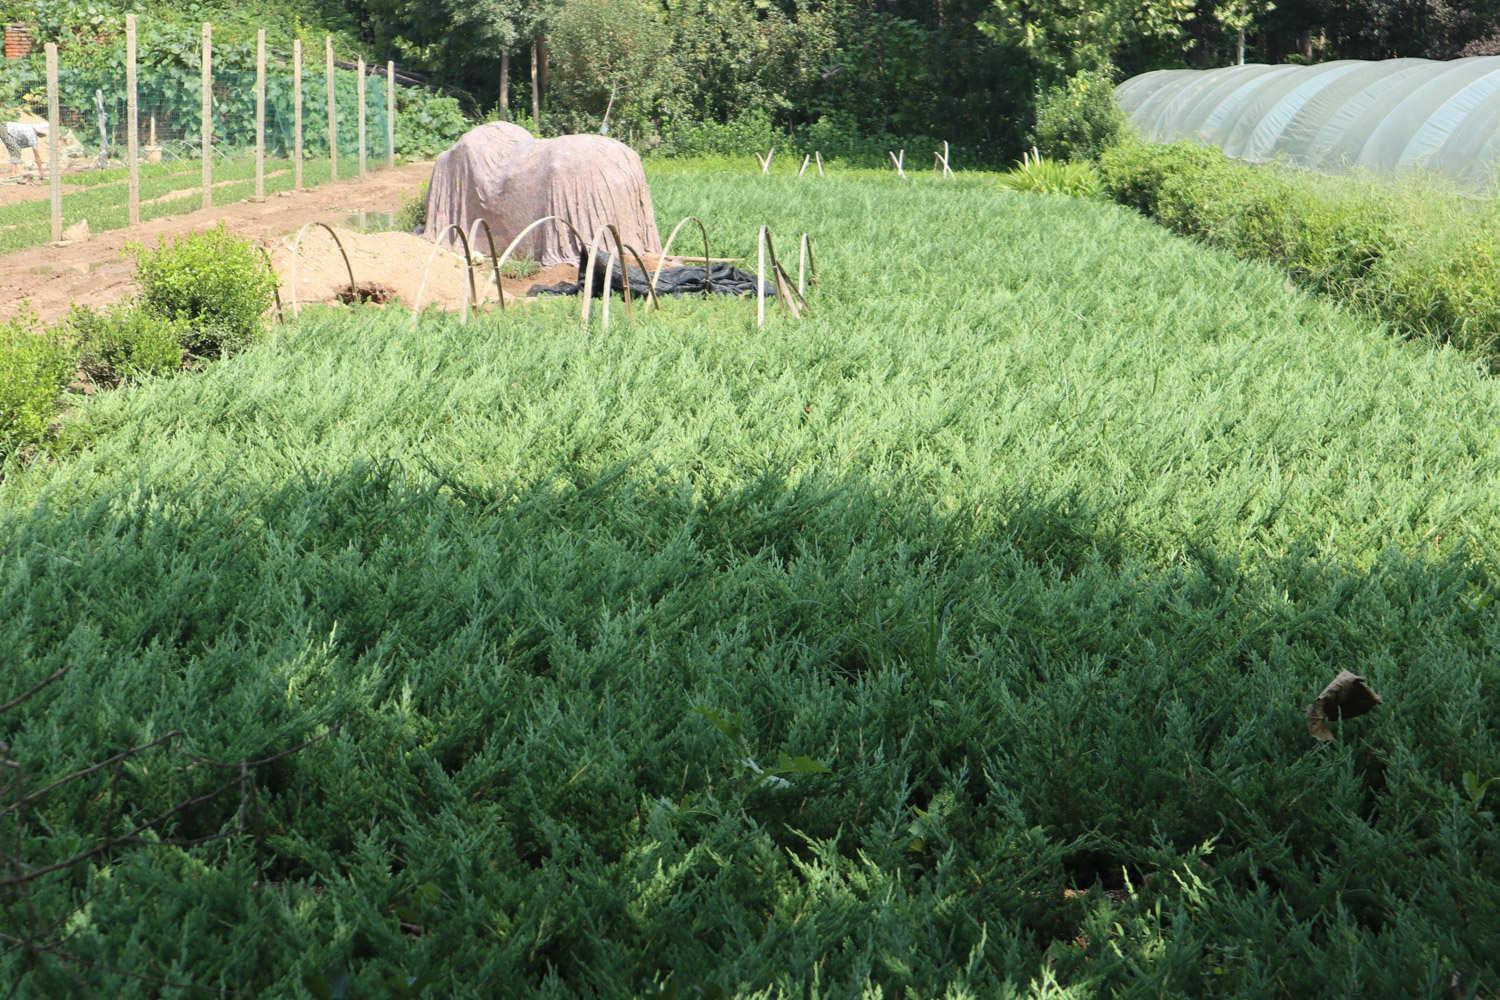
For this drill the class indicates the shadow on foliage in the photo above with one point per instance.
(615, 730)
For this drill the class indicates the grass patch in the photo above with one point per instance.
(955, 640)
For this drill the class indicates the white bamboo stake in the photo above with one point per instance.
(802, 267)
(765, 161)
(206, 121)
(260, 115)
(898, 161)
(333, 118)
(54, 141)
(297, 114)
(819, 157)
(360, 90)
(760, 281)
(132, 126)
(805, 161)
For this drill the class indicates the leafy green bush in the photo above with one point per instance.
(1414, 252)
(752, 130)
(411, 217)
(126, 342)
(1073, 178)
(427, 124)
(1080, 119)
(35, 366)
(214, 282)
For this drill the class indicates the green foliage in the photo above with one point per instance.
(752, 130)
(427, 124)
(1072, 178)
(1080, 119)
(1041, 551)
(608, 58)
(1415, 253)
(126, 342)
(216, 283)
(411, 217)
(35, 366)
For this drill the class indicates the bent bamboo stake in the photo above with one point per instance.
(817, 154)
(297, 257)
(899, 161)
(760, 280)
(275, 283)
(785, 293)
(651, 297)
(609, 267)
(416, 309)
(523, 233)
(667, 249)
(765, 161)
(805, 160)
(489, 235)
(940, 160)
(804, 258)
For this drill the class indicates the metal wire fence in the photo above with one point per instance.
(211, 123)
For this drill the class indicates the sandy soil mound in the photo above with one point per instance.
(392, 262)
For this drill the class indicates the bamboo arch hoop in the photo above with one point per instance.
(489, 236)
(587, 284)
(416, 308)
(667, 249)
(297, 257)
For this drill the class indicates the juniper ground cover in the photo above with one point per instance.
(953, 641)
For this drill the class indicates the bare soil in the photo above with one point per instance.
(48, 280)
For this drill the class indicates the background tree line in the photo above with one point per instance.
(845, 75)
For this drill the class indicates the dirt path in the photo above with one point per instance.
(49, 279)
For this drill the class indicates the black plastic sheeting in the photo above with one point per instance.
(726, 280)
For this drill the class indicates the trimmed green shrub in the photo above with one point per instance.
(1080, 119)
(35, 366)
(128, 343)
(214, 282)
(1073, 178)
(1414, 252)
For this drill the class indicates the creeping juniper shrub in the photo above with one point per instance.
(1413, 252)
(216, 283)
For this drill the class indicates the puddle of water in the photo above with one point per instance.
(372, 222)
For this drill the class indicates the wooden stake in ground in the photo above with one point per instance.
(54, 141)
(765, 161)
(333, 117)
(390, 114)
(805, 161)
(819, 157)
(260, 115)
(207, 117)
(297, 114)
(536, 89)
(132, 127)
(359, 90)
(940, 160)
(899, 161)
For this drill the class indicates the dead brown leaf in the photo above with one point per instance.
(1345, 697)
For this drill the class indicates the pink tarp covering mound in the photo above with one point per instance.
(499, 173)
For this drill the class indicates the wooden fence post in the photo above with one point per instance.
(359, 91)
(132, 126)
(297, 114)
(208, 115)
(333, 119)
(54, 141)
(390, 114)
(260, 115)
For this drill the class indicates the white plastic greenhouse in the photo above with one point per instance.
(1381, 117)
